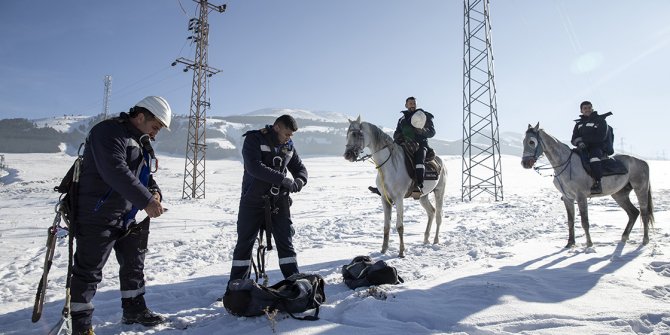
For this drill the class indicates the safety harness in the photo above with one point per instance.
(270, 208)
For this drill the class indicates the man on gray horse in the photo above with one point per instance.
(590, 136)
(414, 129)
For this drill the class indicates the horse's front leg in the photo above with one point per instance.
(570, 208)
(387, 224)
(584, 213)
(399, 209)
(430, 211)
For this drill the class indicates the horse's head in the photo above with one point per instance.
(532, 148)
(355, 140)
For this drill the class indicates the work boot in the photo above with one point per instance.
(596, 188)
(135, 311)
(81, 322)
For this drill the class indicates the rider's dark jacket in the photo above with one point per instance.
(406, 132)
(592, 130)
(109, 184)
(262, 169)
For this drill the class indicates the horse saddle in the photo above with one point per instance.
(431, 172)
(611, 166)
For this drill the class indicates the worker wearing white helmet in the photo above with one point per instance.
(116, 182)
(159, 107)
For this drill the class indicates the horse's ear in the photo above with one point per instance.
(537, 126)
(358, 119)
(529, 126)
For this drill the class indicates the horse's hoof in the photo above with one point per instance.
(436, 242)
(589, 244)
(645, 241)
(383, 250)
(425, 241)
(570, 245)
(401, 256)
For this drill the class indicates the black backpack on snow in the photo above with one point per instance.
(361, 271)
(295, 294)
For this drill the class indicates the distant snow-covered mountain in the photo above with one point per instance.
(320, 133)
(323, 116)
(63, 124)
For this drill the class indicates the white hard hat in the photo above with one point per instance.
(418, 119)
(159, 107)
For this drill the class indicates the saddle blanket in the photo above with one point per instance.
(611, 166)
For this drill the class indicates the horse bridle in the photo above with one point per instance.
(358, 149)
(536, 155)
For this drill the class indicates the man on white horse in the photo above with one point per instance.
(414, 129)
(590, 136)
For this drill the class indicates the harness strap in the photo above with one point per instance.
(267, 226)
(260, 259)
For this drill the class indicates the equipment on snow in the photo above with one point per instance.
(296, 294)
(361, 271)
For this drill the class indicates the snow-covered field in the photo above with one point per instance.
(500, 267)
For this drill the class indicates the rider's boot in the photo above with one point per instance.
(596, 188)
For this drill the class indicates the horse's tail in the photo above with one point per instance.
(650, 208)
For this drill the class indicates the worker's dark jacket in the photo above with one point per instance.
(109, 183)
(592, 130)
(262, 169)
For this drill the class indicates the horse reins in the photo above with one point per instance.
(565, 164)
(378, 167)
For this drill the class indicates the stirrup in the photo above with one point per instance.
(597, 188)
(416, 193)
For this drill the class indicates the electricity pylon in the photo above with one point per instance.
(107, 96)
(481, 146)
(194, 168)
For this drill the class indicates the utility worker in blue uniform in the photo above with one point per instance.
(590, 136)
(414, 129)
(268, 154)
(114, 184)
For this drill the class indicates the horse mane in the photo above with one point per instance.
(554, 138)
(378, 135)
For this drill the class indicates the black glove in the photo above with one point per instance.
(287, 183)
(296, 186)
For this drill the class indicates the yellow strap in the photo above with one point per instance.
(381, 173)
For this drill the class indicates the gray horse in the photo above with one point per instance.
(574, 183)
(393, 180)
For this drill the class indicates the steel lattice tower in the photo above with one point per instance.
(107, 96)
(194, 169)
(481, 146)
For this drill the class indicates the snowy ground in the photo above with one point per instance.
(500, 267)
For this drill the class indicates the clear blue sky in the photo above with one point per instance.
(348, 56)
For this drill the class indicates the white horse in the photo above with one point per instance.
(393, 180)
(574, 183)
